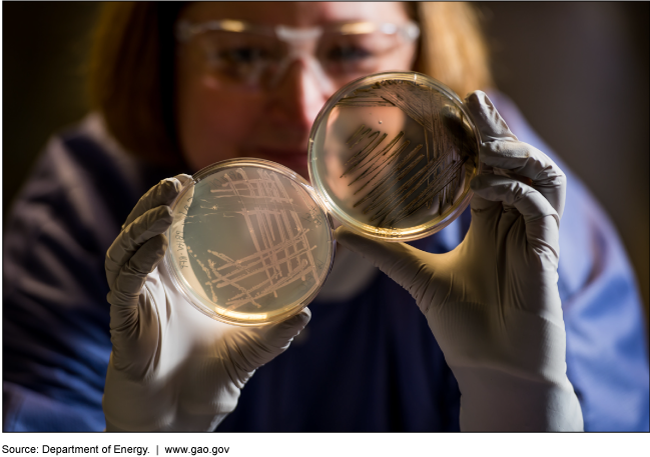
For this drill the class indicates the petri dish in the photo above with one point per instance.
(250, 243)
(391, 156)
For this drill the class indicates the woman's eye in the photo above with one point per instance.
(243, 55)
(348, 54)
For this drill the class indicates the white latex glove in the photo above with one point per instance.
(173, 368)
(493, 303)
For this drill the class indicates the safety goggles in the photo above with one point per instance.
(257, 56)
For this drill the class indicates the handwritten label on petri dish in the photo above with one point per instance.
(251, 244)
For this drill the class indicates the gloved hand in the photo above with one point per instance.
(493, 303)
(172, 368)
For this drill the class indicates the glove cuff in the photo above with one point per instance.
(493, 400)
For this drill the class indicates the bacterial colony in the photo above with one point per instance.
(254, 243)
(249, 243)
(396, 154)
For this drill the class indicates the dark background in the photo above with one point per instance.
(577, 70)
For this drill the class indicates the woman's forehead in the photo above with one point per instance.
(297, 14)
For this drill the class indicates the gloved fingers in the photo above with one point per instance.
(276, 338)
(131, 277)
(404, 264)
(532, 205)
(162, 193)
(482, 205)
(250, 348)
(501, 149)
(487, 119)
(150, 217)
(150, 224)
(523, 162)
(281, 334)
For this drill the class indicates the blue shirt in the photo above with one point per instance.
(369, 364)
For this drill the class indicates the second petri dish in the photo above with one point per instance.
(249, 244)
(392, 156)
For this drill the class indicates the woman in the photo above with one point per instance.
(367, 361)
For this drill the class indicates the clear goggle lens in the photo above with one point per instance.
(256, 56)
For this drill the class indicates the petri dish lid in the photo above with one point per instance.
(392, 155)
(250, 243)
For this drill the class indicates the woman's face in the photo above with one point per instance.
(219, 118)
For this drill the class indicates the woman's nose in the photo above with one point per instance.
(300, 93)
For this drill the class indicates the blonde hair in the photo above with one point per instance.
(131, 72)
(452, 47)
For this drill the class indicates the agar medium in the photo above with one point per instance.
(392, 156)
(249, 244)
